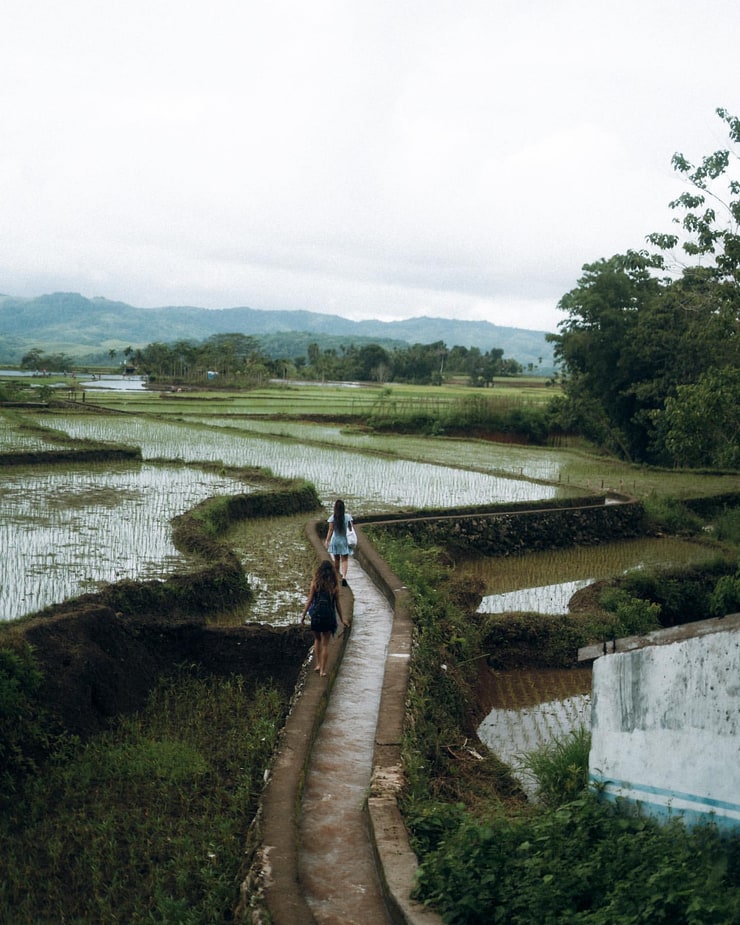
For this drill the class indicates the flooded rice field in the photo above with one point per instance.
(66, 530)
(542, 464)
(14, 440)
(531, 708)
(512, 734)
(545, 582)
(368, 483)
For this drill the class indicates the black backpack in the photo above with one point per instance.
(323, 615)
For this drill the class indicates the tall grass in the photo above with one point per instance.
(560, 767)
(147, 823)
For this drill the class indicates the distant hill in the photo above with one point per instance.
(87, 329)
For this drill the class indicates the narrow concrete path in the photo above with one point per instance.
(336, 860)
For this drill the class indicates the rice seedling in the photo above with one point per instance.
(278, 562)
(13, 438)
(544, 582)
(367, 482)
(68, 530)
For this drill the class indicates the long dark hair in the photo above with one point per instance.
(339, 523)
(325, 578)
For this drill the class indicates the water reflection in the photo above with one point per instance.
(115, 383)
(544, 599)
(526, 714)
(544, 582)
(63, 532)
(511, 734)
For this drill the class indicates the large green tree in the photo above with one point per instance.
(644, 334)
(709, 212)
(595, 349)
(702, 421)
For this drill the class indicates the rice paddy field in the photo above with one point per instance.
(65, 529)
(544, 582)
(533, 707)
(308, 414)
(368, 478)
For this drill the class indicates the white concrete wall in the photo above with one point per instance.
(665, 723)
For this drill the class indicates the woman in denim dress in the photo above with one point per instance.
(336, 539)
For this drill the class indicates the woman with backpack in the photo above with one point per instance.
(336, 541)
(324, 606)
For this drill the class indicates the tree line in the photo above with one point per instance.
(238, 359)
(650, 350)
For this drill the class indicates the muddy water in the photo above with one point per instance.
(336, 862)
(514, 731)
(545, 581)
(531, 709)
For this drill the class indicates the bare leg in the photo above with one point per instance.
(344, 568)
(317, 651)
(324, 652)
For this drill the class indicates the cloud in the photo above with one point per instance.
(368, 159)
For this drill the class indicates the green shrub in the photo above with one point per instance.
(581, 863)
(536, 640)
(725, 598)
(634, 615)
(684, 595)
(561, 767)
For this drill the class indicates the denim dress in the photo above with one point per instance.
(338, 545)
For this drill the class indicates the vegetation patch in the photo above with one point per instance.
(583, 862)
(194, 759)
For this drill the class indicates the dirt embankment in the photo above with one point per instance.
(97, 664)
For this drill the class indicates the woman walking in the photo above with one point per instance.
(324, 606)
(336, 539)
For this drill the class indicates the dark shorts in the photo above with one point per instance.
(324, 624)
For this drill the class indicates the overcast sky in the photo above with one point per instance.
(380, 159)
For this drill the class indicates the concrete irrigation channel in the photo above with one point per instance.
(334, 848)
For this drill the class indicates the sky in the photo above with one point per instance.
(382, 159)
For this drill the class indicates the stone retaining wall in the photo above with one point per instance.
(507, 532)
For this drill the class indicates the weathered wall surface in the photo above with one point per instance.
(666, 724)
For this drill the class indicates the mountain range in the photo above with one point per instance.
(88, 329)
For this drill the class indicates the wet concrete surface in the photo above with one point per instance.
(336, 861)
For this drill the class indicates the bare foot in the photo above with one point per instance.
(323, 674)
